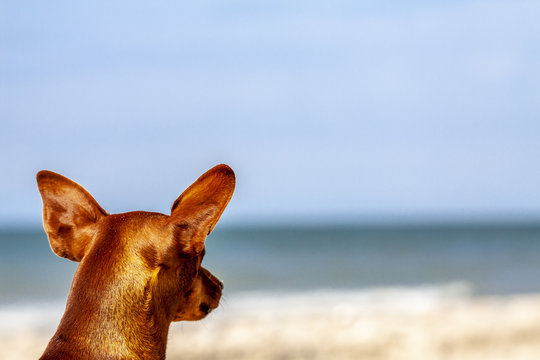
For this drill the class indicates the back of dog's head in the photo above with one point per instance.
(137, 263)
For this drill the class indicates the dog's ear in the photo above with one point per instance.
(195, 213)
(69, 212)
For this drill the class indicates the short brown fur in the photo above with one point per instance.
(138, 271)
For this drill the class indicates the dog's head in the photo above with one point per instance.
(140, 259)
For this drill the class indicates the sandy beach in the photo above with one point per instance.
(404, 323)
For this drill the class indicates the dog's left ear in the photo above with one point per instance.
(69, 212)
(195, 213)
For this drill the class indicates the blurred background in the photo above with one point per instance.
(386, 153)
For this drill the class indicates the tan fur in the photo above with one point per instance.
(138, 271)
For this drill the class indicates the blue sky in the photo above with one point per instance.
(327, 111)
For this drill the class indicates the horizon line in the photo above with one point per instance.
(389, 222)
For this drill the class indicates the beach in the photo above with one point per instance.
(442, 322)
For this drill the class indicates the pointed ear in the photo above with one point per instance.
(196, 212)
(68, 213)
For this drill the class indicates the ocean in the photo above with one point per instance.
(304, 270)
(493, 260)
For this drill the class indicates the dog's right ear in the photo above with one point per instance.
(69, 212)
(195, 213)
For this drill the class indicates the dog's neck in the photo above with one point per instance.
(116, 322)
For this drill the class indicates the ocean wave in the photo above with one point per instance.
(44, 316)
(405, 299)
(38, 316)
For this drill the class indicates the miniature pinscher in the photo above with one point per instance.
(137, 272)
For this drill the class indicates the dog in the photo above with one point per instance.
(138, 271)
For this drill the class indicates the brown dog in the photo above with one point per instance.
(138, 271)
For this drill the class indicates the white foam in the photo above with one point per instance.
(402, 299)
(45, 316)
(41, 316)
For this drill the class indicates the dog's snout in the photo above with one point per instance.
(221, 285)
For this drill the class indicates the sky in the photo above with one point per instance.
(327, 111)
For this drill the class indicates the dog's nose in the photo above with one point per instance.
(221, 285)
(205, 308)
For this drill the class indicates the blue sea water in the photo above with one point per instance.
(493, 259)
